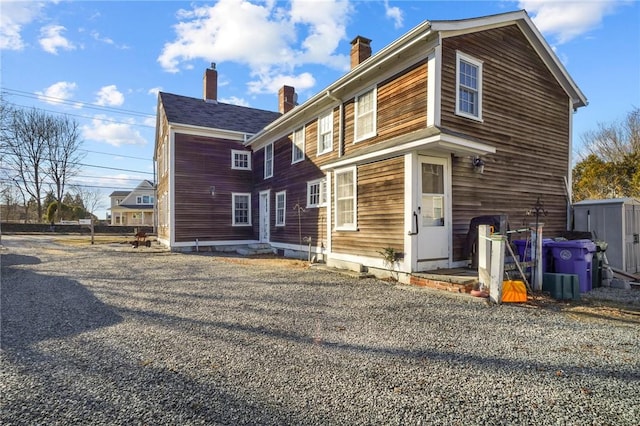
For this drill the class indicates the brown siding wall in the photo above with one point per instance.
(299, 223)
(402, 108)
(380, 211)
(201, 162)
(526, 117)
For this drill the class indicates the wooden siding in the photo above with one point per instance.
(202, 162)
(293, 179)
(380, 214)
(526, 117)
(163, 179)
(401, 108)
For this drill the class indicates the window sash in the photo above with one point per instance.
(365, 120)
(241, 209)
(468, 87)
(345, 194)
(240, 160)
(325, 133)
(268, 161)
(281, 201)
(297, 146)
(317, 193)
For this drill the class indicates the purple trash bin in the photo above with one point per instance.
(574, 257)
(522, 245)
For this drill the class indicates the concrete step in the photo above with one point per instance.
(248, 251)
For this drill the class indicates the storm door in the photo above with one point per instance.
(433, 223)
(264, 217)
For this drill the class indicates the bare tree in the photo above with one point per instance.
(611, 142)
(25, 140)
(91, 199)
(63, 155)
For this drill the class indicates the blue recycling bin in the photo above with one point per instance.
(525, 245)
(574, 257)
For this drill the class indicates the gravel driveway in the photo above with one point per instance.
(107, 334)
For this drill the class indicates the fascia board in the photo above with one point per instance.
(208, 131)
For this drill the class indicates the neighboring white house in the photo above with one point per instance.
(133, 207)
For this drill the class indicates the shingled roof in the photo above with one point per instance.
(197, 112)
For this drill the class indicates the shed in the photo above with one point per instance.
(617, 222)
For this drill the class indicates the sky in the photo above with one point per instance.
(102, 63)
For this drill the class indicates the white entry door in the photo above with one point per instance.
(265, 214)
(433, 223)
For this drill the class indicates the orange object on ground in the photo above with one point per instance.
(514, 291)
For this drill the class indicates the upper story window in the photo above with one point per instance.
(365, 115)
(317, 193)
(297, 146)
(281, 202)
(468, 86)
(241, 209)
(325, 133)
(268, 161)
(144, 199)
(240, 160)
(345, 199)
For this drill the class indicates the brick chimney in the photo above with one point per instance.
(211, 84)
(360, 50)
(286, 99)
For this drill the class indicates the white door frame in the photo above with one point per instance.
(264, 216)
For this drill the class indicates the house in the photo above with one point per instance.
(130, 208)
(454, 120)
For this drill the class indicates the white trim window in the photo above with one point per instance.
(317, 193)
(345, 196)
(281, 203)
(144, 199)
(365, 115)
(297, 146)
(325, 133)
(241, 209)
(268, 161)
(240, 160)
(468, 87)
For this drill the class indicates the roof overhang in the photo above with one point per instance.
(432, 139)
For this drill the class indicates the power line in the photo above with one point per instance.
(116, 155)
(87, 105)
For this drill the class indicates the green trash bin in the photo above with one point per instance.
(597, 263)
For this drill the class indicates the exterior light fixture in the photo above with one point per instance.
(478, 165)
(212, 191)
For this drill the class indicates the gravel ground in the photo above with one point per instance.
(107, 334)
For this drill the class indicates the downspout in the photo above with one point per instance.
(340, 121)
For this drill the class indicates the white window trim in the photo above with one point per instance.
(266, 176)
(233, 208)
(294, 145)
(322, 193)
(475, 62)
(330, 147)
(354, 225)
(233, 159)
(284, 208)
(374, 112)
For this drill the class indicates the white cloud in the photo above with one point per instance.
(394, 13)
(234, 100)
(102, 129)
(566, 20)
(109, 96)
(154, 91)
(14, 16)
(51, 39)
(268, 83)
(219, 33)
(58, 93)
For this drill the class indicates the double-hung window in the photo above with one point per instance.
(317, 193)
(281, 203)
(365, 115)
(144, 199)
(468, 87)
(325, 133)
(297, 146)
(240, 160)
(345, 193)
(241, 209)
(268, 161)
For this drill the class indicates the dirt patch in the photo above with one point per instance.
(266, 261)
